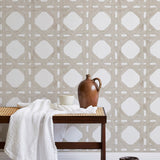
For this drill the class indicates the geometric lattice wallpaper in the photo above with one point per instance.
(48, 46)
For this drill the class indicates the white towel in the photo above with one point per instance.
(30, 134)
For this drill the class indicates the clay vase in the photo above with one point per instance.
(88, 92)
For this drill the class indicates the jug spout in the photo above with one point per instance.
(88, 76)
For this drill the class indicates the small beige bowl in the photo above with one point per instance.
(66, 99)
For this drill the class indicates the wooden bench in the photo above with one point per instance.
(98, 117)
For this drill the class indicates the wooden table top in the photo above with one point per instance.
(98, 117)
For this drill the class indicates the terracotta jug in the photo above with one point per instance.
(88, 92)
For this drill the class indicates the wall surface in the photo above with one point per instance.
(48, 46)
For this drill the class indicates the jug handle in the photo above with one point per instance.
(100, 83)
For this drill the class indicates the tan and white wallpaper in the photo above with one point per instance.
(48, 46)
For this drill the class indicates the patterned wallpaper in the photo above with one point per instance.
(48, 46)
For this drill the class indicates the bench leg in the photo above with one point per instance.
(103, 141)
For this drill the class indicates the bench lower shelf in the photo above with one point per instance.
(72, 145)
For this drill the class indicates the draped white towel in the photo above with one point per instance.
(30, 134)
